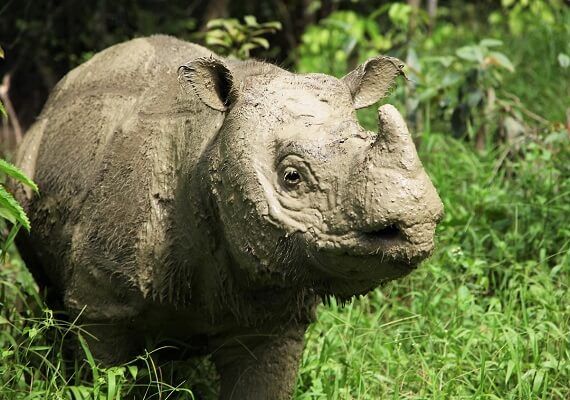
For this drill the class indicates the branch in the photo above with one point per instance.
(12, 117)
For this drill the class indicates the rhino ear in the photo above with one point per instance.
(372, 80)
(211, 80)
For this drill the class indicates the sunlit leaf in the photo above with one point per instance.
(564, 60)
(470, 53)
(445, 61)
(491, 43)
(133, 371)
(251, 21)
(217, 33)
(215, 23)
(261, 42)
(10, 207)
(399, 13)
(501, 60)
(213, 41)
(7, 215)
(16, 173)
(273, 25)
(246, 48)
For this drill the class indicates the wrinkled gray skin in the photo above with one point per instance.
(216, 202)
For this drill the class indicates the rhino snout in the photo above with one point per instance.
(393, 200)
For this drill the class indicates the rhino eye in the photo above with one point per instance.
(291, 176)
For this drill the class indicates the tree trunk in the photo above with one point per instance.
(215, 9)
(415, 4)
(432, 13)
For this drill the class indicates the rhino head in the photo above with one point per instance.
(306, 197)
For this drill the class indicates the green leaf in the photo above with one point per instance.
(133, 370)
(501, 60)
(10, 206)
(260, 31)
(89, 356)
(490, 43)
(246, 48)
(470, 53)
(261, 42)
(217, 42)
(8, 215)
(563, 60)
(251, 21)
(399, 14)
(232, 26)
(2, 110)
(538, 379)
(16, 173)
(272, 25)
(9, 240)
(445, 61)
(215, 23)
(114, 378)
(79, 392)
(217, 33)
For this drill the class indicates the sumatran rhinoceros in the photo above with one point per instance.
(215, 202)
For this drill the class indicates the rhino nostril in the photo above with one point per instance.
(389, 232)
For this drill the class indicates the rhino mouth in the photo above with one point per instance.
(388, 233)
(391, 242)
(373, 255)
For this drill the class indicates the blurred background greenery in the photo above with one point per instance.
(475, 68)
(487, 99)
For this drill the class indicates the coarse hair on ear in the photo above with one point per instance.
(371, 81)
(211, 80)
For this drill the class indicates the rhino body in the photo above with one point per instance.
(214, 202)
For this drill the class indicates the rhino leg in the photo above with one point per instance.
(111, 344)
(259, 366)
(107, 309)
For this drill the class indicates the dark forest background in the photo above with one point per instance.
(45, 39)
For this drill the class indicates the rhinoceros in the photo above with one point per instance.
(216, 202)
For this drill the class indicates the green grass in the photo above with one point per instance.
(487, 317)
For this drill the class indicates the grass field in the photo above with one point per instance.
(488, 317)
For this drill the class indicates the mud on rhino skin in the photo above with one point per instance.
(189, 196)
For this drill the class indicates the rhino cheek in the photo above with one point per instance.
(287, 213)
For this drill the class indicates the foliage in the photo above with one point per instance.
(10, 209)
(35, 354)
(464, 88)
(474, 90)
(536, 51)
(522, 13)
(231, 37)
(345, 38)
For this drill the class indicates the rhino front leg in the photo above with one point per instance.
(111, 344)
(259, 366)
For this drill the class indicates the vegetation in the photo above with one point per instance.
(488, 316)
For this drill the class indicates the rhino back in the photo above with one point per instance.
(116, 142)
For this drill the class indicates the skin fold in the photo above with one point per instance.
(214, 202)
